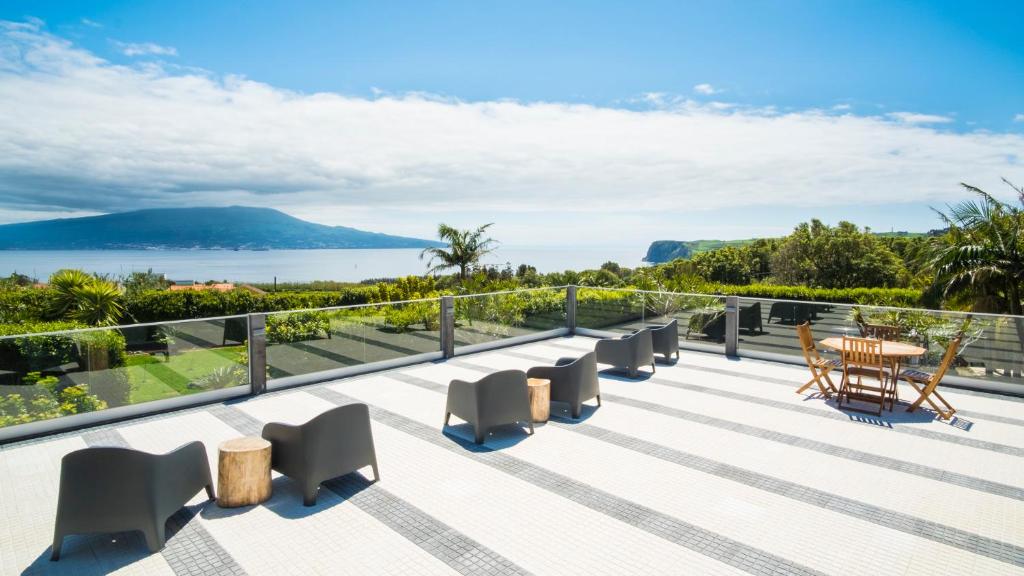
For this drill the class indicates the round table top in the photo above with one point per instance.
(244, 444)
(889, 348)
(537, 382)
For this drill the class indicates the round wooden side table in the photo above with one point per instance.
(243, 472)
(540, 398)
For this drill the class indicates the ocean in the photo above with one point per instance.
(292, 265)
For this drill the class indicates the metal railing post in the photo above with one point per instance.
(258, 353)
(447, 326)
(732, 325)
(570, 308)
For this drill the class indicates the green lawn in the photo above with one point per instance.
(153, 379)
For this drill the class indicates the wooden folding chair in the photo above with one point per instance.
(818, 366)
(881, 331)
(930, 382)
(863, 357)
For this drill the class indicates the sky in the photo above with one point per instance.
(564, 123)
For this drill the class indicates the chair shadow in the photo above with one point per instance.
(286, 498)
(563, 413)
(622, 376)
(857, 412)
(497, 438)
(104, 553)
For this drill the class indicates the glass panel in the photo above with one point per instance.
(54, 375)
(315, 340)
(993, 348)
(492, 317)
(612, 310)
(701, 317)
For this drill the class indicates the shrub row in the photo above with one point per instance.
(907, 297)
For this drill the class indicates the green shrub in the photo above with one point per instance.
(297, 327)
(903, 297)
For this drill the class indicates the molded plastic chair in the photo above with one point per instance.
(750, 318)
(495, 399)
(332, 444)
(628, 352)
(573, 380)
(710, 325)
(665, 339)
(108, 489)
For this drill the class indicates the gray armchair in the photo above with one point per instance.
(665, 339)
(332, 444)
(573, 380)
(495, 399)
(119, 489)
(627, 353)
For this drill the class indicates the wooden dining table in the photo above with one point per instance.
(894, 352)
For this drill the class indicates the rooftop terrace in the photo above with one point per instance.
(711, 465)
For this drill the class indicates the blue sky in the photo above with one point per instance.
(927, 83)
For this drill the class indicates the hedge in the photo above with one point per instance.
(906, 297)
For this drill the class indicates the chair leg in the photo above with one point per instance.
(575, 410)
(631, 372)
(599, 400)
(155, 535)
(210, 493)
(376, 472)
(58, 542)
(478, 434)
(309, 493)
(447, 416)
(653, 370)
(530, 422)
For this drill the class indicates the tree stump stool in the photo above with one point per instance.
(243, 472)
(540, 398)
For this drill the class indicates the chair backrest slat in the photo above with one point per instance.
(863, 352)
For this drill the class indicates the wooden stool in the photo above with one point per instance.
(243, 472)
(540, 398)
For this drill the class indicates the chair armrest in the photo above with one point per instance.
(565, 360)
(179, 475)
(286, 447)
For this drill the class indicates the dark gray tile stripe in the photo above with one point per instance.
(711, 544)
(452, 547)
(954, 478)
(841, 416)
(932, 473)
(237, 419)
(190, 550)
(104, 437)
(950, 536)
(934, 531)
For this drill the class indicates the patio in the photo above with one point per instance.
(712, 465)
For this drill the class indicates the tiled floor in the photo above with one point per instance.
(708, 466)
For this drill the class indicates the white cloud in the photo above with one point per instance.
(145, 49)
(842, 107)
(705, 89)
(91, 23)
(1018, 118)
(80, 134)
(915, 118)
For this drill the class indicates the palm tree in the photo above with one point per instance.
(85, 298)
(981, 258)
(64, 283)
(98, 303)
(465, 248)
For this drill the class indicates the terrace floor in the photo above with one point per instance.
(712, 465)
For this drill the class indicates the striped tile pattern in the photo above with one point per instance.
(710, 466)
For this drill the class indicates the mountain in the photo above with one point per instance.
(234, 227)
(661, 251)
(668, 250)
